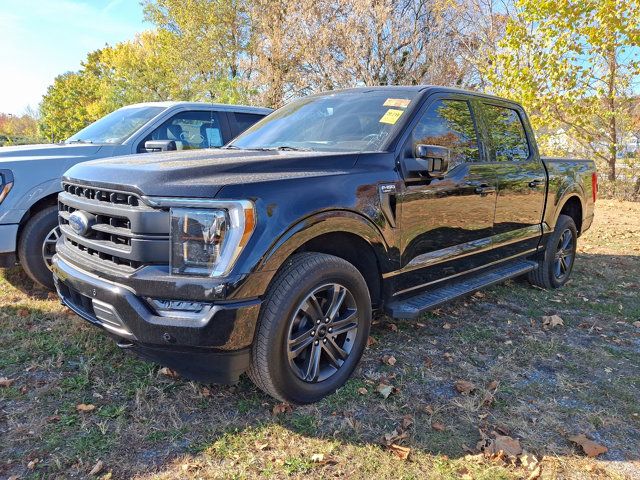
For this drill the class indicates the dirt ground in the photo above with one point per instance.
(484, 371)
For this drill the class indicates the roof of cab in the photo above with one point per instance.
(423, 88)
(206, 106)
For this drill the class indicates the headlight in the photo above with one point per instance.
(207, 241)
(6, 183)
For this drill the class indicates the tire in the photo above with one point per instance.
(31, 246)
(564, 238)
(289, 311)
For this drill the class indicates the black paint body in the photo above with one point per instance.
(416, 232)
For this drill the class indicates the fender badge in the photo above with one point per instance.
(388, 188)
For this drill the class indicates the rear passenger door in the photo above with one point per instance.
(240, 121)
(521, 178)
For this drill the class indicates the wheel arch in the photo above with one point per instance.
(572, 206)
(342, 233)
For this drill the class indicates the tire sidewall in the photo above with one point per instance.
(30, 247)
(283, 378)
(564, 222)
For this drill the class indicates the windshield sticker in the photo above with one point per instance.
(391, 117)
(396, 102)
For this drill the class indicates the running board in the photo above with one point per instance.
(415, 306)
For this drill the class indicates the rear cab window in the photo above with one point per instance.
(507, 135)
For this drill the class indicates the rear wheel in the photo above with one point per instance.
(313, 328)
(37, 245)
(555, 268)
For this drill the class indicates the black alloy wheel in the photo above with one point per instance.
(322, 332)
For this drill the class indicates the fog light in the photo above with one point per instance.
(179, 308)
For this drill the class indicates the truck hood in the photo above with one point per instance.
(202, 173)
(25, 153)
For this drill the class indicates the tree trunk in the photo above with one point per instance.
(611, 104)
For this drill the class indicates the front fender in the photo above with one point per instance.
(332, 221)
(15, 207)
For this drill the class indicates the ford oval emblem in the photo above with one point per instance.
(80, 222)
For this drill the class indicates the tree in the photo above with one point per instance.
(67, 105)
(573, 63)
(206, 41)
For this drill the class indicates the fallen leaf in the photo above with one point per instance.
(388, 360)
(317, 457)
(384, 389)
(448, 356)
(428, 409)
(535, 473)
(464, 387)
(636, 324)
(23, 312)
(371, 341)
(281, 408)
(396, 436)
(32, 464)
(97, 468)
(392, 326)
(493, 385)
(591, 448)
(53, 419)
(438, 426)
(85, 407)
(362, 391)
(6, 382)
(262, 445)
(447, 326)
(499, 446)
(399, 451)
(167, 372)
(428, 363)
(206, 392)
(551, 321)
(407, 422)
(527, 460)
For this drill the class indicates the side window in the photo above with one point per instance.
(507, 134)
(448, 123)
(245, 120)
(190, 130)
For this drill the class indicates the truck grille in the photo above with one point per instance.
(124, 232)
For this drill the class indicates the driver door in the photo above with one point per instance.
(446, 221)
(191, 130)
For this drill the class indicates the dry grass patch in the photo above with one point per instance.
(483, 369)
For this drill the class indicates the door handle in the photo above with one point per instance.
(536, 183)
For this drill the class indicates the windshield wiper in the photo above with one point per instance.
(292, 149)
(79, 141)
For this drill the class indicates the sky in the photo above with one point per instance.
(40, 39)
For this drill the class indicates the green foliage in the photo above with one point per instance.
(572, 64)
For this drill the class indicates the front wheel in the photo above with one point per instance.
(560, 252)
(37, 246)
(313, 328)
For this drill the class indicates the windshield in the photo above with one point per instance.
(117, 126)
(345, 121)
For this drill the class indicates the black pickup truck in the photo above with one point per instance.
(271, 255)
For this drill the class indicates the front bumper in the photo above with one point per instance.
(211, 348)
(8, 238)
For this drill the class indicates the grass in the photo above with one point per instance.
(582, 377)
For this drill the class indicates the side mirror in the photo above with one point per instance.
(159, 145)
(437, 158)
